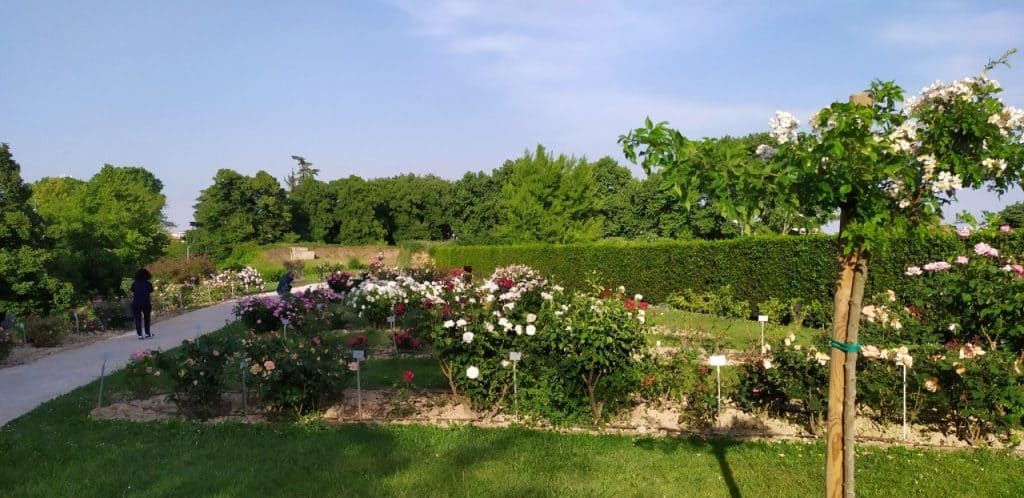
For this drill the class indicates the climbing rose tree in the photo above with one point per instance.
(882, 161)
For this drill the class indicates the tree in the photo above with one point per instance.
(411, 207)
(549, 199)
(883, 163)
(25, 284)
(353, 214)
(1012, 215)
(104, 228)
(238, 209)
(474, 206)
(305, 172)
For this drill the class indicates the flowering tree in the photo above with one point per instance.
(883, 162)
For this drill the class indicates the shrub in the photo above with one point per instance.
(47, 331)
(685, 379)
(114, 314)
(598, 342)
(6, 343)
(718, 303)
(791, 383)
(142, 372)
(198, 373)
(756, 268)
(339, 281)
(180, 270)
(296, 375)
(264, 314)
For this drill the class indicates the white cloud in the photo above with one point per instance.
(569, 66)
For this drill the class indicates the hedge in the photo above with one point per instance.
(756, 268)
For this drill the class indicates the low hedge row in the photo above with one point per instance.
(756, 268)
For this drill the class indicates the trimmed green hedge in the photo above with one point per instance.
(757, 268)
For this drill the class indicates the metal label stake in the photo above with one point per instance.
(515, 357)
(904, 401)
(103, 373)
(245, 397)
(763, 319)
(717, 361)
(359, 355)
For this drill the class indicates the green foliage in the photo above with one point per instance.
(180, 270)
(6, 343)
(684, 379)
(142, 372)
(25, 283)
(754, 268)
(297, 375)
(791, 383)
(104, 228)
(198, 371)
(718, 303)
(238, 209)
(47, 331)
(549, 199)
(1012, 215)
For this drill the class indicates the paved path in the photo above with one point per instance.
(24, 387)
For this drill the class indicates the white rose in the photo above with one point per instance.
(519, 330)
(467, 337)
(472, 372)
(530, 318)
(531, 330)
(448, 324)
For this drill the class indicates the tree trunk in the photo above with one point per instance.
(860, 278)
(837, 387)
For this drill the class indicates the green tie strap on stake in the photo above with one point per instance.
(845, 346)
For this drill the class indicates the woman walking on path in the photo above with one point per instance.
(142, 307)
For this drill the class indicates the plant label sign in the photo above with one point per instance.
(515, 356)
(358, 355)
(391, 320)
(762, 318)
(717, 360)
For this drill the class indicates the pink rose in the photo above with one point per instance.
(1005, 229)
(962, 260)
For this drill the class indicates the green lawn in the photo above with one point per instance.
(674, 327)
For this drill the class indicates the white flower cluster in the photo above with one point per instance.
(765, 152)
(250, 277)
(899, 356)
(1008, 120)
(995, 166)
(904, 138)
(940, 93)
(881, 315)
(784, 127)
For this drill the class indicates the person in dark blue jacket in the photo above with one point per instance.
(142, 306)
(284, 286)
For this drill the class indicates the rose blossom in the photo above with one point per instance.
(932, 384)
(472, 372)
(913, 270)
(467, 337)
(1005, 228)
(962, 260)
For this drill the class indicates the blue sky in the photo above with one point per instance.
(382, 88)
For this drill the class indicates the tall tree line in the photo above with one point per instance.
(537, 197)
